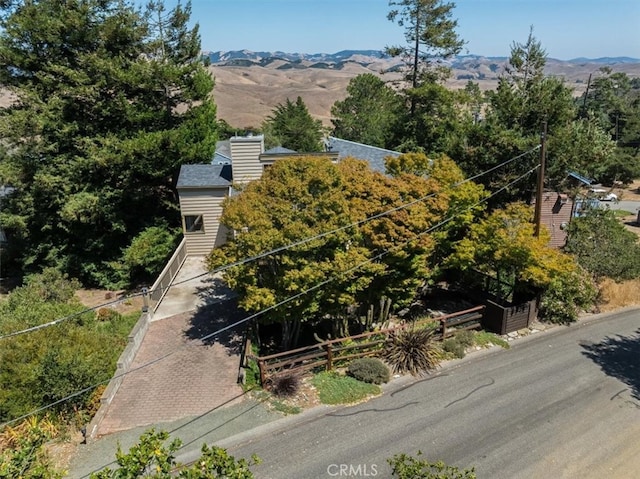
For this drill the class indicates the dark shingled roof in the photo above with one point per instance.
(278, 150)
(222, 156)
(203, 176)
(372, 154)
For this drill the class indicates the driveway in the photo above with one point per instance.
(175, 374)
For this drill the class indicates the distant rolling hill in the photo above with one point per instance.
(250, 84)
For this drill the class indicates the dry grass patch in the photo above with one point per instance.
(95, 297)
(619, 295)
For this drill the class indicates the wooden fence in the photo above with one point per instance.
(504, 319)
(329, 353)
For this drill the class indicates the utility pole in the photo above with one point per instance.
(538, 213)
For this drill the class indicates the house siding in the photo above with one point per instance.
(208, 203)
(245, 158)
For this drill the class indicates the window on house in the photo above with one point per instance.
(193, 223)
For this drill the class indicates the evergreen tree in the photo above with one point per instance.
(290, 125)
(431, 38)
(430, 35)
(369, 114)
(109, 101)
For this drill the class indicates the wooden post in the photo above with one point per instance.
(263, 375)
(540, 188)
(145, 300)
(329, 357)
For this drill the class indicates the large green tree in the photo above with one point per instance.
(502, 247)
(525, 100)
(291, 125)
(109, 101)
(431, 37)
(526, 97)
(304, 197)
(430, 33)
(603, 246)
(369, 114)
(613, 102)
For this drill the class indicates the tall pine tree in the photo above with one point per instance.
(109, 100)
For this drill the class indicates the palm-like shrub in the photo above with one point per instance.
(369, 370)
(412, 351)
(286, 385)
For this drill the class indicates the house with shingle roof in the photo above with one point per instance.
(372, 154)
(241, 159)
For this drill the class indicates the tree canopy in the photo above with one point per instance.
(109, 101)
(369, 114)
(430, 32)
(306, 197)
(290, 125)
(603, 246)
(502, 247)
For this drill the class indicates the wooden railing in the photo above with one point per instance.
(329, 353)
(161, 286)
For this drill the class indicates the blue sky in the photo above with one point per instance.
(566, 28)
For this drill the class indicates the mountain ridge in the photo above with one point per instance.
(222, 56)
(250, 84)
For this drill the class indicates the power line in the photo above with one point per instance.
(270, 308)
(272, 251)
(351, 225)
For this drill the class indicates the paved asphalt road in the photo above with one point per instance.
(631, 206)
(560, 404)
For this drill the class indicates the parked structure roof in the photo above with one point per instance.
(580, 178)
(203, 176)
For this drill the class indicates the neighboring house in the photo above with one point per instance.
(202, 189)
(556, 214)
(241, 159)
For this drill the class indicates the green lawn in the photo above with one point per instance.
(334, 388)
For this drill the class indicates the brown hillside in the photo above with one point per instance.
(247, 95)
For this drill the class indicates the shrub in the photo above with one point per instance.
(369, 370)
(412, 351)
(152, 457)
(409, 467)
(458, 344)
(23, 453)
(465, 337)
(285, 385)
(485, 339)
(252, 376)
(566, 296)
(603, 246)
(107, 314)
(453, 347)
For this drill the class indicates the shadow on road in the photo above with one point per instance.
(618, 357)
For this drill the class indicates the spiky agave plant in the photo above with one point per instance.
(412, 351)
(285, 385)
